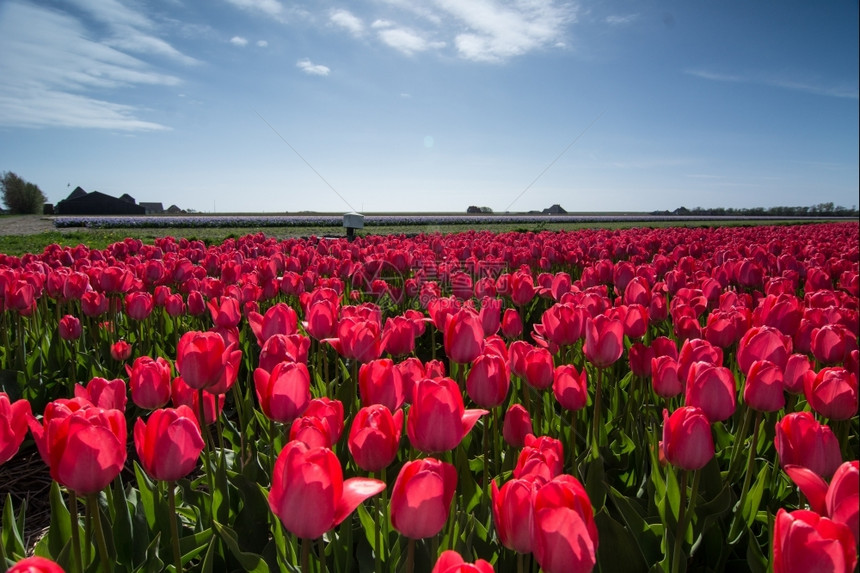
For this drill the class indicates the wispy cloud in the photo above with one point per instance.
(497, 31)
(262, 44)
(348, 21)
(313, 69)
(621, 20)
(59, 73)
(823, 89)
(269, 7)
(407, 41)
(239, 41)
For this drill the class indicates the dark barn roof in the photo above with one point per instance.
(96, 203)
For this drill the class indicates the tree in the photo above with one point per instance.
(21, 197)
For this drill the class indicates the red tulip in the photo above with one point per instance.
(539, 368)
(697, 350)
(374, 437)
(285, 393)
(94, 303)
(801, 440)
(687, 440)
(763, 343)
(21, 297)
(205, 362)
(570, 387)
(843, 497)
(563, 323)
(284, 348)
(565, 535)
(174, 305)
(711, 388)
(512, 324)
(541, 457)
(832, 393)
(464, 336)
(70, 327)
(181, 393)
(225, 311)
(437, 420)
(804, 541)
(84, 448)
(797, 369)
(150, 382)
(517, 357)
(330, 412)
(35, 564)
(13, 425)
(102, 393)
(639, 356)
(664, 377)
(513, 512)
(168, 443)
(421, 497)
(309, 494)
(411, 371)
(522, 287)
(725, 327)
(279, 319)
(604, 340)
(196, 304)
(491, 315)
(139, 305)
(452, 562)
(763, 389)
(516, 426)
(489, 380)
(321, 318)
(120, 350)
(398, 336)
(379, 382)
(358, 339)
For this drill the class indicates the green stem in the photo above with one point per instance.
(93, 500)
(207, 451)
(740, 439)
(323, 564)
(682, 523)
(738, 518)
(595, 431)
(76, 536)
(410, 556)
(306, 556)
(174, 526)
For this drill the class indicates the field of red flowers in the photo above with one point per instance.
(629, 400)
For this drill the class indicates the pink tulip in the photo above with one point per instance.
(13, 425)
(832, 393)
(804, 541)
(604, 340)
(309, 494)
(489, 380)
(687, 440)
(452, 562)
(565, 534)
(103, 393)
(169, 443)
(421, 497)
(150, 382)
(374, 437)
(570, 387)
(438, 420)
(711, 388)
(516, 426)
(801, 440)
(379, 382)
(285, 393)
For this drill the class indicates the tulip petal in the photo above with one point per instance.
(355, 490)
(812, 486)
(470, 418)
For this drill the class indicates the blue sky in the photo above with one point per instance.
(398, 105)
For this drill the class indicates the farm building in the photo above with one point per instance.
(79, 202)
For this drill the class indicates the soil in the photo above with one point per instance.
(28, 225)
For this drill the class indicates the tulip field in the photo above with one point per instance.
(666, 400)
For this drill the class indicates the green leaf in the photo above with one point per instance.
(370, 527)
(753, 500)
(123, 533)
(625, 555)
(250, 562)
(60, 533)
(647, 536)
(193, 545)
(153, 563)
(755, 558)
(11, 542)
(595, 485)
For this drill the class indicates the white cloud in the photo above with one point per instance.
(55, 70)
(617, 20)
(345, 19)
(407, 41)
(497, 31)
(268, 7)
(313, 69)
(848, 91)
(238, 41)
(262, 44)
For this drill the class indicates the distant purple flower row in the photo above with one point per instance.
(104, 222)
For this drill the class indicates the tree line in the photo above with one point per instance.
(818, 210)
